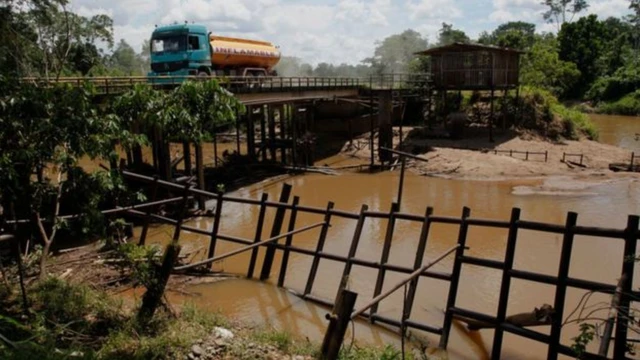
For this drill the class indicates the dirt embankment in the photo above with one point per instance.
(475, 157)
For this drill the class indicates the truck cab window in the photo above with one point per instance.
(194, 44)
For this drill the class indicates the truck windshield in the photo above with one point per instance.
(171, 43)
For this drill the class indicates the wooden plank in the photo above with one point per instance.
(319, 248)
(561, 287)
(384, 257)
(150, 210)
(216, 227)
(258, 236)
(506, 283)
(288, 242)
(455, 278)
(275, 231)
(353, 249)
(422, 246)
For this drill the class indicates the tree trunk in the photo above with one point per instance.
(155, 292)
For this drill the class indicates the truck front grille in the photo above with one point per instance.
(169, 66)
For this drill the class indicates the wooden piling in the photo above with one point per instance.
(263, 133)
(258, 236)
(251, 137)
(372, 127)
(200, 176)
(238, 147)
(505, 286)
(491, 115)
(215, 150)
(352, 250)
(216, 227)
(283, 133)
(384, 258)
(150, 210)
(401, 183)
(319, 248)
(628, 269)
(561, 286)
(417, 264)
(455, 278)
(275, 231)
(272, 132)
(288, 241)
(186, 150)
(338, 324)
(294, 134)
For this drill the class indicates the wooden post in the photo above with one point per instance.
(385, 129)
(455, 278)
(272, 132)
(275, 231)
(200, 176)
(564, 157)
(216, 227)
(352, 250)
(294, 135)
(215, 150)
(506, 283)
(154, 294)
(371, 123)
(422, 246)
(150, 210)
(238, 147)
(283, 132)
(561, 286)
(258, 236)
(491, 116)
(338, 324)
(628, 268)
(527, 156)
(603, 350)
(251, 137)
(319, 248)
(288, 241)
(186, 149)
(384, 258)
(263, 133)
(401, 183)
(633, 159)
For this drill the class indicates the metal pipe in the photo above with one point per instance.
(413, 275)
(249, 247)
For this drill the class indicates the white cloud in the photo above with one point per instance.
(337, 31)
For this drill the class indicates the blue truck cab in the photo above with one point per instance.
(179, 50)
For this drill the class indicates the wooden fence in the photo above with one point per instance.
(562, 281)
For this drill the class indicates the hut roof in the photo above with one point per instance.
(467, 47)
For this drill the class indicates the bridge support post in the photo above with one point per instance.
(385, 133)
(272, 131)
(283, 132)
(251, 137)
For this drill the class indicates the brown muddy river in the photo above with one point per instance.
(598, 204)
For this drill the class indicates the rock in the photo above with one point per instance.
(197, 350)
(251, 345)
(222, 333)
(191, 356)
(298, 357)
(220, 343)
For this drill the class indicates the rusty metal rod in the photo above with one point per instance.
(405, 154)
(249, 247)
(413, 275)
(613, 312)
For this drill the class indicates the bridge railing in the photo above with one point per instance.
(244, 84)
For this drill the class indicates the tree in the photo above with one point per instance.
(515, 34)
(53, 128)
(448, 35)
(582, 43)
(395, 53)
(542, 67)
(125, 60)
(559, 9)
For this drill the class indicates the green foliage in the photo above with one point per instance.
(448, 35)
(627, 105)
(395, 53)
(625, 81)
(361, 353)
(543, 68)
(580, 342)
(514, 34)
(562, 11)
(141, 260)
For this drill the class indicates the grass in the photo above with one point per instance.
(627, 105)
(71, 321)
(574, 123)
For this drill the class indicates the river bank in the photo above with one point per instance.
(477, 158)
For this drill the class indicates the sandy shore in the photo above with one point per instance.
(475, 159)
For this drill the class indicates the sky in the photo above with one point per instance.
(334, 31)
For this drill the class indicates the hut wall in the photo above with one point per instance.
(475, 70)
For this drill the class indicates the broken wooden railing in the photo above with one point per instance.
(499, 321)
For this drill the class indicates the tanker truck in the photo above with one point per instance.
(190, 50)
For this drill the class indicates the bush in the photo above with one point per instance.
(628, 105)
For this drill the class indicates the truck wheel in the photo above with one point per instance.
(202, 74)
